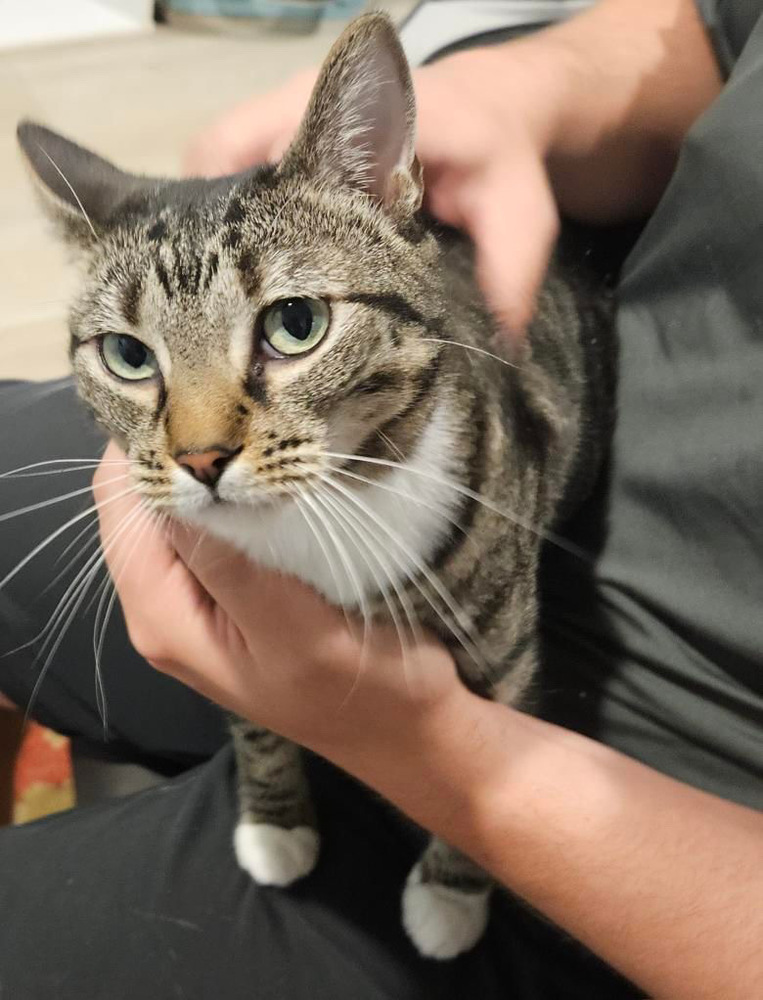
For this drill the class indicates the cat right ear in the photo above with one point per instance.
(78, 189)
(360, 125)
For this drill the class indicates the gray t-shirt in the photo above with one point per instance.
(661, 653)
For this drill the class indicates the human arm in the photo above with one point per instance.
(661, 880)
(587, 116)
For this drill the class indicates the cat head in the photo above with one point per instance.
(230, 333)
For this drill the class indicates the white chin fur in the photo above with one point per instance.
(316, 545)
(442, 922)
(274, 856)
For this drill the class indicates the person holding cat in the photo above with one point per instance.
(626, 814)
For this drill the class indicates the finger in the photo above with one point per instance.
(167, 612)
(272, 610)
(256, 131)
(514, 225)
(186, 621)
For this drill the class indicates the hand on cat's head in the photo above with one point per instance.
(263, 645)
(483, 163)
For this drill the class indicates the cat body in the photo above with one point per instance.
(300, 361)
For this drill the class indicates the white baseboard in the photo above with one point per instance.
(38, 22)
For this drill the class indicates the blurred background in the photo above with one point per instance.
(133, 80)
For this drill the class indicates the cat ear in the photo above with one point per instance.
(360, 125)
(78, 189)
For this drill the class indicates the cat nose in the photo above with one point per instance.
(207, 466)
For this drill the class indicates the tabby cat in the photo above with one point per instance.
(297, 358)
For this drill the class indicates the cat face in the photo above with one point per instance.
(229, 345)
(230, 333)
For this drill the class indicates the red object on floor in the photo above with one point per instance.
(43, 782)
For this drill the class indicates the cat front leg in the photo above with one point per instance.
(446, 899)
(275, 840)
(445, 902)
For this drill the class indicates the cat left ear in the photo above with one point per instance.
(78, 189)
(360, 125)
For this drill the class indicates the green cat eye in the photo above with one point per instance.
(128, 358)
(295, 326)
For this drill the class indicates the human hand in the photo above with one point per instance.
(588, 115)
(483, 165)
(267, 646)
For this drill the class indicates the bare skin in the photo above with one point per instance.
(661, 880)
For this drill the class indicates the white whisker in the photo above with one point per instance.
(31, 508)
(438, 510)
(93, 526)
(391, 445)
(64, 461)
(299, 499)
(93, 562)
(74, 603)
(362, 545)
(106, 607)
(461, 627)
(347, 565)
(74, 193)
(54, 472)
(457, 487)
(59, 531)
(471, 347)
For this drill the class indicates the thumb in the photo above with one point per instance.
(262, 603)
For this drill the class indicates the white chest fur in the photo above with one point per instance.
(353, 539)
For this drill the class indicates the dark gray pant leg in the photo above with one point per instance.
(142, 898)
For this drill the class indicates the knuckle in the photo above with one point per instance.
(146, 641)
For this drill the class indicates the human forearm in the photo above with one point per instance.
(659, 879)
(627, 80)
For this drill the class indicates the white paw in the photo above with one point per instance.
(274, 856)
(442, 922)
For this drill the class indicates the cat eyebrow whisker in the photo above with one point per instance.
(471, 347)
(391, 445)
(56, 167)
(277, 215)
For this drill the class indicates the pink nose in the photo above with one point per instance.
(206, 466)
